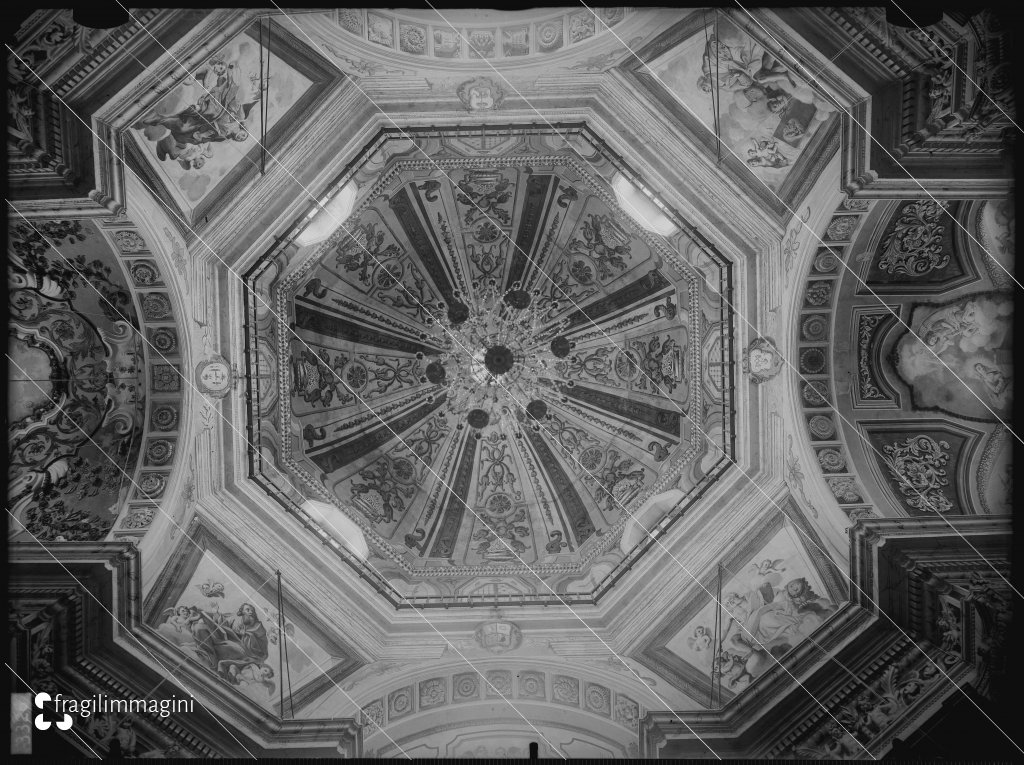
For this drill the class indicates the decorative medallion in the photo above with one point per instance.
(841, 227)
(610, 16)
(822, 427)
(831, 460)
(466, 687)
(159, 451)
(812, 361)
(532, 685)
(373, 713)
(412, 39)
(845, 490)
(380, 29)
(482, 43)
(814, 328)
(399, 703)
(597, 699)
(627, 712)
(549, 35)
(565, 690)
(433, 692)
(214, 377)
(826, 261)
(762, 360)
(139, 517)
(156, 306)
(498, 636)
(165, 378)
(163, 339)
(499, 683)
(515, 41)
(129, 242)
(581, 26)
(165, 417)
(447, 43)
(480, 95)
(144, 273)
(815, 393)
(151, 486)
(351, 20)
(818, 294)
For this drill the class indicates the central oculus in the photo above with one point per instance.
(498, 359)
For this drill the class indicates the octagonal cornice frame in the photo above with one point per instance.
(238, 463)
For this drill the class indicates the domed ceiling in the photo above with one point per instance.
(489, 367)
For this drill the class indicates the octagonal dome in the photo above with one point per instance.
(489, 367)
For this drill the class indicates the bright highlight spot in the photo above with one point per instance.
(641, 208)
(328, 219)
(340, 526)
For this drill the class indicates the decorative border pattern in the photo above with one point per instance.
(467, 42)
(165, 395)
(815, 329)
(525, 685)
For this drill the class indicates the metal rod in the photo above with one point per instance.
(284, 642)
(280, 645)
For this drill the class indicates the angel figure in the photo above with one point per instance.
(766, 154)
(211, 589)
(768, 566)
(252, 675)
(178, 624)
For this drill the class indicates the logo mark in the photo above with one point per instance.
(40, 723)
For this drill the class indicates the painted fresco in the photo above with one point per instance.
(970, 339)
(774, 600)
(235, 634)
(460, 465)
(203, 128)
(767, 113)
(76, 395)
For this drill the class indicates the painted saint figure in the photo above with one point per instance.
(219, 113)
(230, 642)
(764, 624)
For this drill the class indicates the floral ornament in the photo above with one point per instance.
(822, 427)
(465, 686)
(818, 293)
(597, 699)
(917, 466)
(499, 683)
(412, 39)
(762, 360)
(914, 247)
(844, 489)
(400, 702)
(374, 713)
(482, 43)
(480, 95)
(831, 460)
(433, 692)
(840, 228)
(565, 690)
